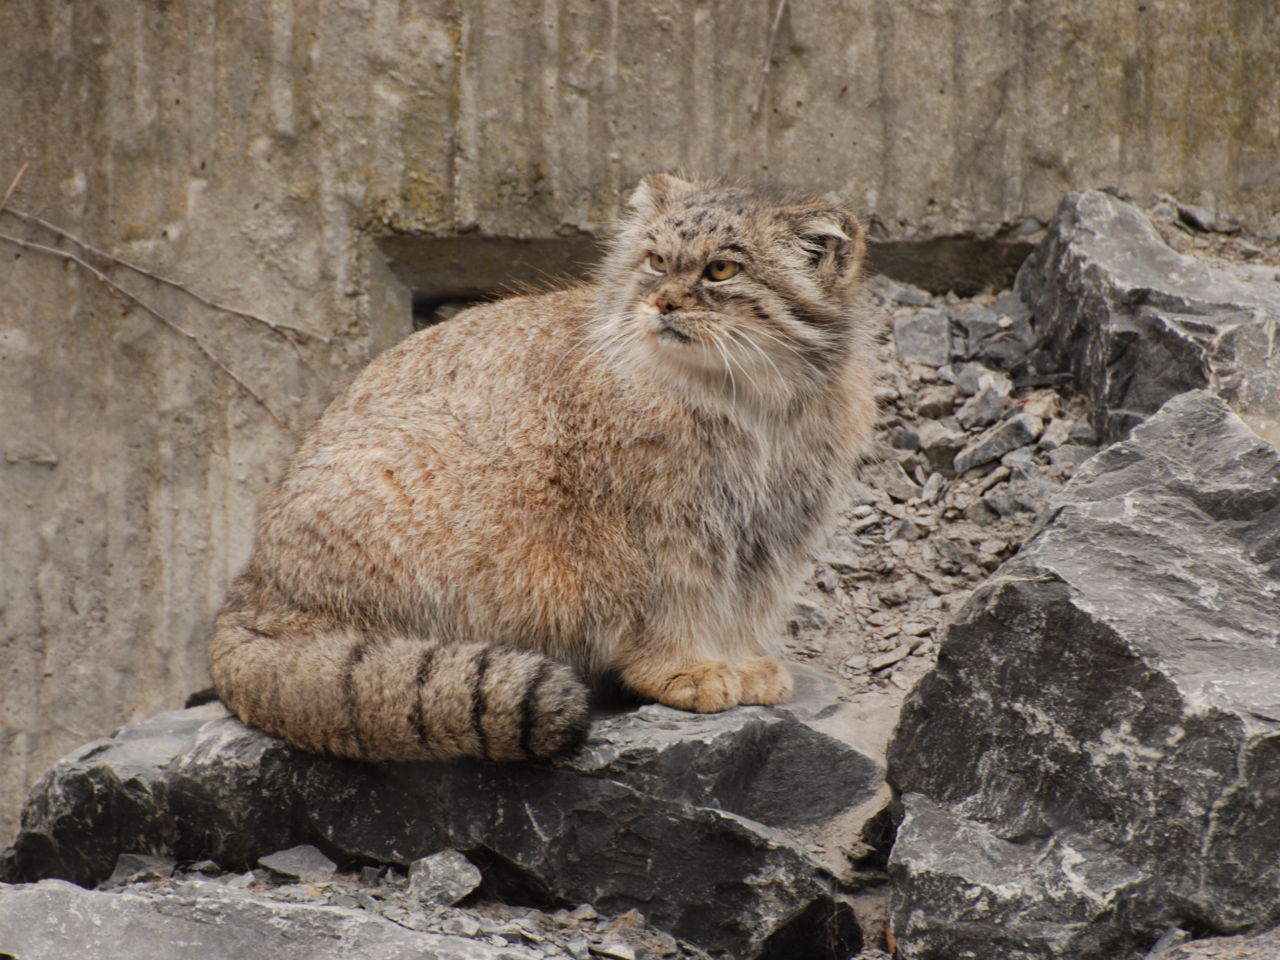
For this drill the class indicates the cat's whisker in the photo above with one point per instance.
(728, 352)
(608, 345)
(782, 343)
(728, 366)
(742, 337)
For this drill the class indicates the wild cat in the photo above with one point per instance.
(617, 479)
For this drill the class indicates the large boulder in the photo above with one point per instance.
(1137, 323)
(681, 816)
(1096, 757)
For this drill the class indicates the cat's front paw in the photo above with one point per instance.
(707, 687)
(765, 680)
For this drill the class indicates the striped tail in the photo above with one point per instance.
(339, 689)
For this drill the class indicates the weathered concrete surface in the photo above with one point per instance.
(249, 150)
(682, 816)
(1094, 758)
(1137, 323)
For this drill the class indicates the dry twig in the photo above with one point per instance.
(768, 60)
(13, 186)
(121, 291)
(279, 328)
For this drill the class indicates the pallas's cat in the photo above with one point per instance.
(619, 479)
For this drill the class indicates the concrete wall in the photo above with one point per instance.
(254, 149)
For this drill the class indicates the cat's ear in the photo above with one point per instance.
(657, 192)
(830, 236)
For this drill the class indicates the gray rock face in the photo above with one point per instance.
(1138, 323)
(1096, 757)
(54, 920)
(670, 813)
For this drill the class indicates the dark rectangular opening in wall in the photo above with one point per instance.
(447, 274)
(966, 265)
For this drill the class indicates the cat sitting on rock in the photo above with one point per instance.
(619, 479)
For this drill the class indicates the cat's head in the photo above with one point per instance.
(723, 291)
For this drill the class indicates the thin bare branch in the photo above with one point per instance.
(121, 291)
(13, 186)
(768, 60)
(279, 328)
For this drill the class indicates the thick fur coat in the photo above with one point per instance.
(622, 478)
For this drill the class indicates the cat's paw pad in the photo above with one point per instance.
(707, 687)
(765, 681)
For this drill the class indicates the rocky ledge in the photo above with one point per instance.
(687, 819)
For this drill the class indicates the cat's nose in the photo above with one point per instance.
(665, 306)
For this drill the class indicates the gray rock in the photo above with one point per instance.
(1137, 323)
(303, 862)
(936, 401)
(1010, 304)
(1027, 491)
(1207, 221)
(1000, 339)
(140, 866)
(1019, 430)
(968, 377)
(1263, 945)
(444, 878)
(895, 655)
(969, 380)
(461, 926)
(1093, 759)
(672, 813)
(805, 616)
(1083, 433)
(54, 920)
(1070, 457)
(895, 292)
(933, 488)
(940, 441)
(904, 529)
(981, 410)
(888, 475)
(923, 338)
(903, 437)
(1056, 434)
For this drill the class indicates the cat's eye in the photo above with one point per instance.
(658, 262)
(718, 270)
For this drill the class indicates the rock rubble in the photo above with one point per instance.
(966, 459)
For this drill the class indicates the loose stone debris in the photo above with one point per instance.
(965, 458)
